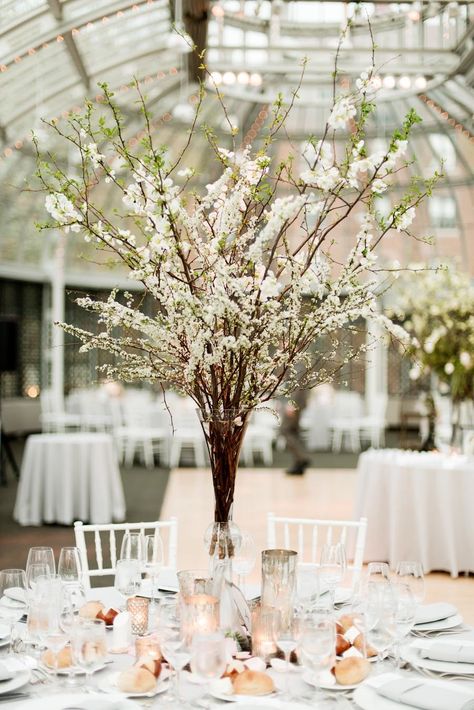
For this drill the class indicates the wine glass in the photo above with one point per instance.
(317, 645)
(41, 555)
(411, 573)
(41, 620)
(379, 610)
(404, 613)
(132, 546)
(55, 640)
(153, 557)
(244, 559)
(332, 567)
(69, 565)
(378, 572)
(307, 586)
(178, 655)
(127, 577)
(287, 639)
(208, 655)
(34, 572)
(89, 647)
(12, 579)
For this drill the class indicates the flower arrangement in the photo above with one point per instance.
(243, 273)
(437, 308)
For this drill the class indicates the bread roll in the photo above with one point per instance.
(346, 621)
(151, 664)
(351, 670)
(252, 683)
(90, 610)
(63, 658)
(342, 645)
(136, 680)
(361, 645)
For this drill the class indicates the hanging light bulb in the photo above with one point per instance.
(389, 82)
(243, 77)
(404, 82)
(420, 82)
(229, 78)
(256, 79)
(216, 77)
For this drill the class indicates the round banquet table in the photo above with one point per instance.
(68, 477)
(419, 507)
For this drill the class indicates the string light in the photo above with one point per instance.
(404, 82)
(446, 117)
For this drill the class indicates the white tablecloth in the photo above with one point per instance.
(419, 507)
(67, 477)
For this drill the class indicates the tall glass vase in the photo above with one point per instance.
(279, 581)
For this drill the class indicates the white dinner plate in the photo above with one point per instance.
(247, 703)
(76, 670)
(16, 593)
(81, 701)
(20, 679)
(108, 684)
(4, 641)
(326, 684)
(413, 657)
(12, 603)
(450, 623)
(367, 698)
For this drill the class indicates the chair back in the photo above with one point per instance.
(108, 538)
(307, 536)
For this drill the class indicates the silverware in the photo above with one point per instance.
(13, 696)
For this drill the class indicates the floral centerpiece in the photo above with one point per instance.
(437, 309)
(246, 273)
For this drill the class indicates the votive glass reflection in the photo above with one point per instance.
(138, 610)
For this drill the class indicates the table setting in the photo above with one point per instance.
(302, 638)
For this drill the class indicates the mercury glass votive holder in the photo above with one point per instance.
(265, 626)
(199, 615)
(148, 646)
(138, 610)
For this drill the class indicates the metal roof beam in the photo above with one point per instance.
(76, 58)
(196, 20)
(56, 9)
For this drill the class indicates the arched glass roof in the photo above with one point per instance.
(53, 53)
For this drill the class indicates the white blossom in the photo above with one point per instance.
(63, 211)
(404, 220)
(341, 113)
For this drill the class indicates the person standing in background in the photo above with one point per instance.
(290, 430)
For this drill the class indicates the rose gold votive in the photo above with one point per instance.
(138, 609)
(148, 646)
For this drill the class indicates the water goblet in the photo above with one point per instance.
(404, 613)
(378, 572)
(178, 655)
(127, 577)
(411, 573)
(317, 644)
(287, 639)
(332, 567)
(208, 655)
(55, 640)
(132, 546)
(244, 559)
(307, 586)
(41, 555)
(153, 557)
(89, 647)
(70, 565)
(12, 579)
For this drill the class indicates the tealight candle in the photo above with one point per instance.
(199, 615)
(148, 646)
(138, 609)
(265, 622)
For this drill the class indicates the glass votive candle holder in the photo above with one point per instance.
(199, 615)
(265, 625)
(148, 646)
(138, 609)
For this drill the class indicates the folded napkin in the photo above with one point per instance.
(16, 593)
(422, 693)
(91, 701)
(5, 674)
(451, 650)
(434, 612)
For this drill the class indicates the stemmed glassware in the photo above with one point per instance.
(379, 610)
(332, 567)
(244, 559)
(41, 555)
(35, 571)
(317, 644)
(88, 644)
(404, 614)
(178, 655)
(70, 565)
(411, 573)
(378, 572)
(208, 655)
(132, 547)
(153, 557)
(55, 640)
(127, 577)
(287, 640)
(12, 579)
(307, 586)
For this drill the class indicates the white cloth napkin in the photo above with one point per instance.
(451, 650)
(84, 702)
(422, 693)
(10, 667)
(434, 612)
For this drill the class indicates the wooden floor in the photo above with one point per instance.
(319, 493)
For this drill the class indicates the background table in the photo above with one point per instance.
(67, 477)
(420, 506)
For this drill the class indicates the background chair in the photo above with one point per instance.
(348, 410)
(307, 536)
(106, 545)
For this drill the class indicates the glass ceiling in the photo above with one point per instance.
(53, 53)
